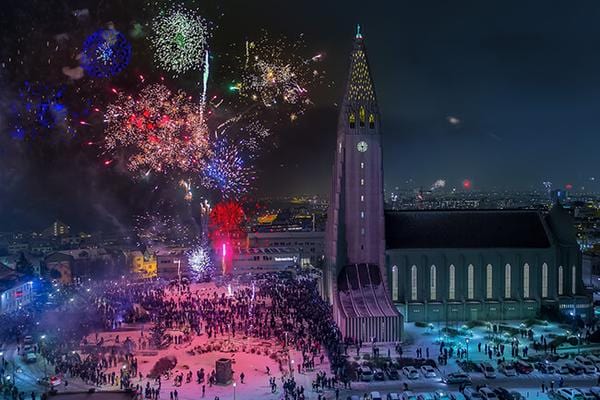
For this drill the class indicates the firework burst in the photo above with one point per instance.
(227, 170)
(199, 259)
(157, 130)
(105, 53)
(179, 37)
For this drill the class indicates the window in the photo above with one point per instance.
(362, 231)
(362, 165)
(573, 279)
(362, 182)
(362, 116)
(413, 283)
(526, 281)
(432, 282)
(362, 197)
(362, 214)
(352, 120)
(507, 278)
(452, 283)
(395, 283)
(544, 280)
(489, 282)
(371, 121)
(560, 280)
(470, 282)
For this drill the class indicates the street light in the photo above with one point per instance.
(467, 342)
(578, 343)
(292, 368)
(234, 384)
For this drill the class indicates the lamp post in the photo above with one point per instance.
(467, 342)
(292, 369)
(578, 343)
(234, 385)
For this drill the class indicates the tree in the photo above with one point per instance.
(24, 266)
(157, 335)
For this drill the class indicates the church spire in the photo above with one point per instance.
(360, 90)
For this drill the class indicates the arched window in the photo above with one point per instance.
(413, 283)
(352, 121)
(489, 282)
(507, 281)
(362, 115)
(395, 283)
(432, 282)
(573, 280)
(371, 121)
(544, 280)
(470, 281)
(452, 282)
(526, 281)
(560, 280)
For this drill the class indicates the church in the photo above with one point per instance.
(386, 267)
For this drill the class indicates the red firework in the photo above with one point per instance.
(226, 219)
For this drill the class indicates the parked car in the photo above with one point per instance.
(425, 396)
(596, 391)
(507, 369)
(51, 381)
(488, 394)
(546, 367)
(366, 373)
(408, 395)
(563, 370)
(457, 396)
(410, 372)
(587, 394)
(472, 393)
(569, 394)
(488, 371)
(392, 396)
(523, 367)
(428, 371)
(588, 366)
(456, 378)
(28, 340)
(502, 393)
(30, 357)
(378, 374)
(376, 396)
(392, 373)
(575, 368)
(441, 395)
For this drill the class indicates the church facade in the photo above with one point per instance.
(383, 267)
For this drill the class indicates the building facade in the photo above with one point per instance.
(309, 245)
(484, 264)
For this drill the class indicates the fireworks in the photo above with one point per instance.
(158, 130)
(39, 109)
(105, 53)
(226, 219)
(274, 71)
(199, 259)
(227, 170)
(158, 228)
(179, 38)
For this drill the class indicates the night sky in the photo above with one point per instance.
(505, 93)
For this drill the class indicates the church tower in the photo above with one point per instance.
(355, 237)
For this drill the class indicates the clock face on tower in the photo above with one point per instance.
(362, 146)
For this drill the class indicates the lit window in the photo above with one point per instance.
(413, 283)
(395, 283)
(573, 279)
(362, 231)
(362, 197)
(526, 281)
(371, 121)
(362, 182)
(507, 281)
(432, 282)
(452, 283)
(560, 280)
(362, 214)
(489, 287)
(362, 165)
(352, 120)
(470, 281)
(362, 116)
(544, 280)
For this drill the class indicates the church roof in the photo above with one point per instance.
(465, 229)
(360, 87)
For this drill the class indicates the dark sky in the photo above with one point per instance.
(522, 77)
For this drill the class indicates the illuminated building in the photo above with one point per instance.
(144, 265)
